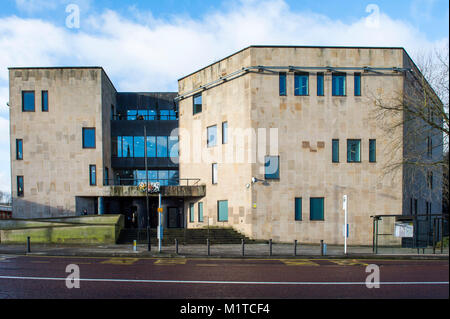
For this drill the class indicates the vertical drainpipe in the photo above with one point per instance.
(100, 206)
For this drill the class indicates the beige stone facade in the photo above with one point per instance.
(306, 126)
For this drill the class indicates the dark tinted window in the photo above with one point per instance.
(28, 101)
(88, 137)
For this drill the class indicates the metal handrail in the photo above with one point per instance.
(126, 117)
(162, 181)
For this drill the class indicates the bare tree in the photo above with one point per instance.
(5, 198)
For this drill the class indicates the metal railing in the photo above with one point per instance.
(125, 117)
(161, 181)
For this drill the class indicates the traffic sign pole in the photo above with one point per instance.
(345, 206)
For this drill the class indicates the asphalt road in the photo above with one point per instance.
(178, 278)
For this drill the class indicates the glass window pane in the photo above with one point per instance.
(353, 150)
(44, 101)
(28, 101)
(139, 146)
(173, 178)
(224, 132)
(161, 146)
(357, 84)
(163, 177)
(298, 209)
(127, 146)
(151, 146)
(335, 155)
(119, 146)
(153, 176)
(131, 115)
(212, 136)
(200, 212)
(152, 115)
(214, 173)
(222, 210)
(19, 149)
(92, 175)
(164, 115)
(272, 167)
(301, 84)
(316, 209)
(197, 103)
(372, 151)
(88, 137)
(142, 115)
(283, 84)
(191, 213)
(338, 83)
(20, 191)
(320, 84)
(173, 146)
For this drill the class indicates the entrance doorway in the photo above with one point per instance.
(174, 217)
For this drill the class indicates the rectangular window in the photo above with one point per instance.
(214, 173)
(200, 212)
(106, 177)
(127, 146)
(335, 151)
(283, 84)
(163, 177)
(272, 167)
(224, 132)
(20, 186)
(19, 150)
(197, 105)
(212, 136)
(28, 101)
(301, 84)
(88, 137)
(338, 84)
(372, 151)
(173, 178)
(92, 175)
(167, 115)
(139, 146)
(353, 151)
(222, 210)
(151, 146)
(173, 146)
(44, 100)
(316, 208)
(357, 77)
(320, 84)
(298, 208)
(191, 213)
(161, 147)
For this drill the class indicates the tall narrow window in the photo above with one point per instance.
(372, 151)
(224, 132)
(301, 84)
(353, 151)
(320, 84)
(283, 91)
(19, 150)
(106, 177)
(139, 146)
(127, 146)
(191, 213)
(28, 101)
(20, 186)
(298, 208)
(272, 167)
(316, 208)
(151, 146)
(44, 97)
(92, 175)
(200, 212)
(222, 210)
(212, 136)
(88, 137)
(335, 151)
(197, 106)
(214, 173)
(357, 77)
(339, 84)
(161, 147)
(173, 147)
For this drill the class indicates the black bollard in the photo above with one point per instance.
(321, 248)
(295, 247)
(270, 247)
(176, 246)
(208, 246)
(243, 247)
(28, 245)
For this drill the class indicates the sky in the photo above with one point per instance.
(148, 45)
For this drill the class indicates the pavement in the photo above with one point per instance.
(224, 251)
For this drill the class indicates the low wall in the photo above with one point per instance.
(103, 229)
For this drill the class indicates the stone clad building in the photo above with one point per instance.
(267, 141)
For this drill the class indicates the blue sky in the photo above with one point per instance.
(148, 45)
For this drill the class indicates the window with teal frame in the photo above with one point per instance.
(316, 208)
(372, 151)
(282, 76)
(272, 167)
(200, 212)
(357, 77)
(335, 151)
(320, 84)
(222, 210)
(298, 208)
(339, 84)
(301, 84)
(353, 151)
(191, 213)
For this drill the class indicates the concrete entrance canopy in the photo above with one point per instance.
(166, 191)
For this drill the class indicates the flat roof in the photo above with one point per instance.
(292, 47)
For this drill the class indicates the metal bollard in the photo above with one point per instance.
(270, 247)
(28, 245)
(321, 248)
(243, 247)
(176, 246)
(134, 245)
(295, 247)
(149, 244)
(208, 246)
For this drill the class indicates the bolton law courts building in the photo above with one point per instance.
(267, 141)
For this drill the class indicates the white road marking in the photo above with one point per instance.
(231, 282)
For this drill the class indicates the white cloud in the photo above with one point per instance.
(142, 53)
(32, 6)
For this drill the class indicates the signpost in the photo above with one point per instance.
(160, 227)
(345, 232)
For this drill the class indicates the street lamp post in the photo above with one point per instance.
(146, 190)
